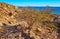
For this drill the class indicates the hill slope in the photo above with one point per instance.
(24, 23)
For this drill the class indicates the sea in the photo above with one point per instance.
(54, 10)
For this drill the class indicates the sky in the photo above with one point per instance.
(33, 2)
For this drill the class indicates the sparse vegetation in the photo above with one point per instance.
(29, 23)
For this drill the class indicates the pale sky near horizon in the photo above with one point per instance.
(33, 2)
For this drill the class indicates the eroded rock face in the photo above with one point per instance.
(7, 13)
(17, 23)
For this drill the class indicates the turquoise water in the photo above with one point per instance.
(56, 9)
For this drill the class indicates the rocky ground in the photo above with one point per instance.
(24, 23)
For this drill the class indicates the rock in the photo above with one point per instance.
(57, 19)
